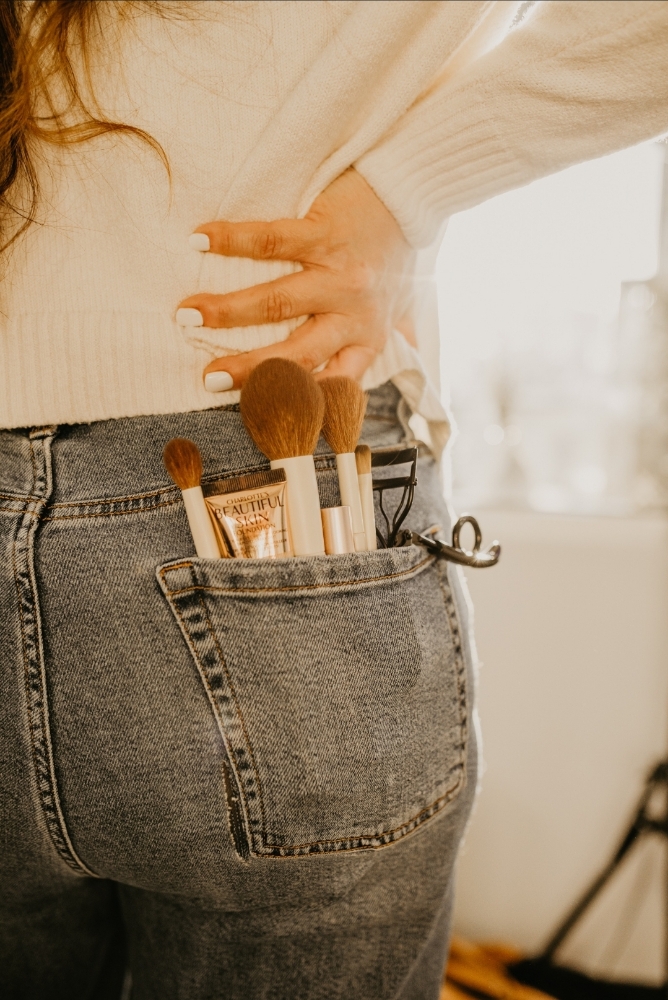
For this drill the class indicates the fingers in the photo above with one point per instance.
(310, 345)
(352, 361)
(294, 295)
(286, 239)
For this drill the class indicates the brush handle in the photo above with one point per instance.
(303, 505)
(350, 496)
(201, 527)
(368, 512)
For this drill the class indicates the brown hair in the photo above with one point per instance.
(37, 40)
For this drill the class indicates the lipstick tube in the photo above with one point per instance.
(338, 530)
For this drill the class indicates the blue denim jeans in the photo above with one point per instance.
(219, 778)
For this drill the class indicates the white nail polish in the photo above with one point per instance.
(218, 381)
(189, 317)
(199, 241)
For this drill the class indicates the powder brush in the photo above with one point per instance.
(184, 465)
(363, 461)
(345, 406)
(282, 408)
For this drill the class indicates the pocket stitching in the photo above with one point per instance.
(384, 836)
(455, 627)
(240, 715)
(428, 560)
(415, 821)
(361, 841)
(211, 697)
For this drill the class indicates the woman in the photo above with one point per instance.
(246, 781)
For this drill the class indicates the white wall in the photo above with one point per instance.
(572, 632)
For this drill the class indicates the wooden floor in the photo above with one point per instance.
(476, 970)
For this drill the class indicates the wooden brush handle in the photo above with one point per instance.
(350, 496)
(368, 512)
(201, 527)
(303, 501)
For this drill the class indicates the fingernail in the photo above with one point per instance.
(189, 317)
(218, 381)
(199, 241)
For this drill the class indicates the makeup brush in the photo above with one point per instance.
(282, 408)
(363, 460)
(345, 406)
(184, 464)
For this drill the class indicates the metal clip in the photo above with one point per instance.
(395, 456)
(454, 553)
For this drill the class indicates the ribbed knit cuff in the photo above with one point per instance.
(443, 156)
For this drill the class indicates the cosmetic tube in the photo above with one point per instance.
(201, 528)
(303, 502)
(249, 515)
(338, 530)
(350, 496)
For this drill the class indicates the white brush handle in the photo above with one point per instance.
(368, 512)
(350, 496)
(201, 528)
(303, 505)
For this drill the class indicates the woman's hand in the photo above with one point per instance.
(354, 286)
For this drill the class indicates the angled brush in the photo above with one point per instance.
(282, 408)
(363, 460)
(184, 464)
(345, 406)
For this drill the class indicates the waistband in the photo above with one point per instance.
(119, 461)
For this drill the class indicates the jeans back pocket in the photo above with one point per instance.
(338, 685)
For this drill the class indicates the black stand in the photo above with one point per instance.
(541, 972)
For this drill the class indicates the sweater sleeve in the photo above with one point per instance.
(577, 80)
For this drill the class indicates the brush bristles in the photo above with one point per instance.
(183, 462)
(282, 408)
(345, 406)
(363, 459)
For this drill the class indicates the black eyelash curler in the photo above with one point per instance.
(384, 458)
(395, 536)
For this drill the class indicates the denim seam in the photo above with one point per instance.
(261, 841)
(162, 491)
(231, 753)
(357, 581)
(455, 627)
(100, 502)
(139, 509)
(240, 714)
(19, 498)
(127, 504)
(35, 683)
(138, 501)
(32, 462)
(214, 705)
(383, 838)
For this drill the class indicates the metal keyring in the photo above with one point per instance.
(454, 553)
(467, 519)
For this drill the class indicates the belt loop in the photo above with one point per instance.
(42, 432)
(40, 439)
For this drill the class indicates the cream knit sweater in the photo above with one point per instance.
(260, 105)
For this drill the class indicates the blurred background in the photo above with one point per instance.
(553, 305)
